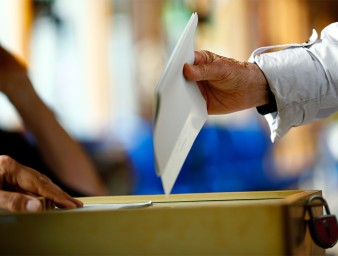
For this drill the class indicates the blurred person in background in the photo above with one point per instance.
(47, 148)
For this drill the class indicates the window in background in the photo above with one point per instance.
(15, 20)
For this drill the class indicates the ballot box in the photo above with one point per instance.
(240, 223)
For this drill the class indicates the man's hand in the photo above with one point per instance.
(19, 184)
(226, 84)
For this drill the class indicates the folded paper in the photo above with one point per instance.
(180, 110)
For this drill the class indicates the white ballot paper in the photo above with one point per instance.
(102, 207)
(180, 110)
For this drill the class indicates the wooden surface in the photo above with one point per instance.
(250, 223)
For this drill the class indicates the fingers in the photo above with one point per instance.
(38, 184)
(203, 57)
(195, 72)
(22, 178)
(200, 72)
(207, 66)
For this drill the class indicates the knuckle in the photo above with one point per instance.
(42, 183)
(6, 160)
(43, 179)
(209, 56)
(6, 164)
(205, 69)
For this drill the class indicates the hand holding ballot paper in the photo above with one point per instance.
(193, 85)
(180, 111)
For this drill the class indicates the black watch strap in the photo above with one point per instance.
(270, 107)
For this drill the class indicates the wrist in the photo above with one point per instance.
(260, 85)
(266, 100)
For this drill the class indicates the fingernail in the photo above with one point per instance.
(68, 204)
(33, 205)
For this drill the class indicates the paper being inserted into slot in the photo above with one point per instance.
(180, 110)
(100, 207)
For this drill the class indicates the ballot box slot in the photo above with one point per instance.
(192, 203)
(217, 200)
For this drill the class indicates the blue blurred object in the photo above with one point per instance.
(221, 159)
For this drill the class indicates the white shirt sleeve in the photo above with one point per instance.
(304, 81)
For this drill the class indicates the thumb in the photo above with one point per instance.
(193, 72)
(13, 201)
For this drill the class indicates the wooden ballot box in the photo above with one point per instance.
(243, 223)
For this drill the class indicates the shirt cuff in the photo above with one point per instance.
(292, 75)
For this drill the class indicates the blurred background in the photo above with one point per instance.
(96, 64)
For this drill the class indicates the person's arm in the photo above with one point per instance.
(303, 80)
(298, 84)
(63, 155)
(19, 186)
